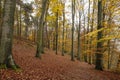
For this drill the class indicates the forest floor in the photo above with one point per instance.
(51, 67)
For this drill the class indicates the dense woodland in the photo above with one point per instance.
(86, 30)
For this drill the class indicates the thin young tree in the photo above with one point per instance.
(84, 31)
(88, 30)
(73, 17)
(20, 24)
(56, 29)
(79, 31)
(63, 34)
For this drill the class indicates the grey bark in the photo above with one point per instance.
(7, 34)
(73, 16)
(17, 26)
(79, 42)
(63, 35)
(39, 33)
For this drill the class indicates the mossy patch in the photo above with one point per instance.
(14, 67)
(3, 66)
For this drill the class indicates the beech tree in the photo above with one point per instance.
(63, 34)
(99, 54)
(39, 33)
(72, 41)
(6, 58)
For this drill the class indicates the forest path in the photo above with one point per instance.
(51, 67)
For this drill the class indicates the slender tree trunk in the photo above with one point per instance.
(73, 15)
(27, 21)
(42, 50)
(85, 54)
(54, 41)
(57, 32)
(109, 53)
(48, 40)
(79, 41)
(0, 20)
(112, 54)
(17, 29)
(109, 44)
(87, 37)
(99, 54)
(39, 33)
(20, 34)
(7, 34)
(65, 44)
(91, 30)
(44, 25)
(63, 40)
(34, 35)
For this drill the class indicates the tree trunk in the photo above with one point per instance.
(47, 36)
(63, 43)
(7, 34)
(44, 24)
(27, 21)
(42, 49)
(56, 32)
(79, 41)
(113, 55)
(99, 54)
(73, 17)
(0, 20)
(91, 38)
(109, 42)
(20, 34)
(66, 36)
(39, 33)
(54, 46)
(85, 54)
(17, 27)
(87, 37)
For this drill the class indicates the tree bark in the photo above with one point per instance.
(27, 21)
(20, 35)
(79, 42)
(63, 43)
(56, 32)
(7, 34)
(99, 54)
(85, 54)
(0, 20)
(91, 38)
(17, 26)
(73, 17)
(39, 33)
